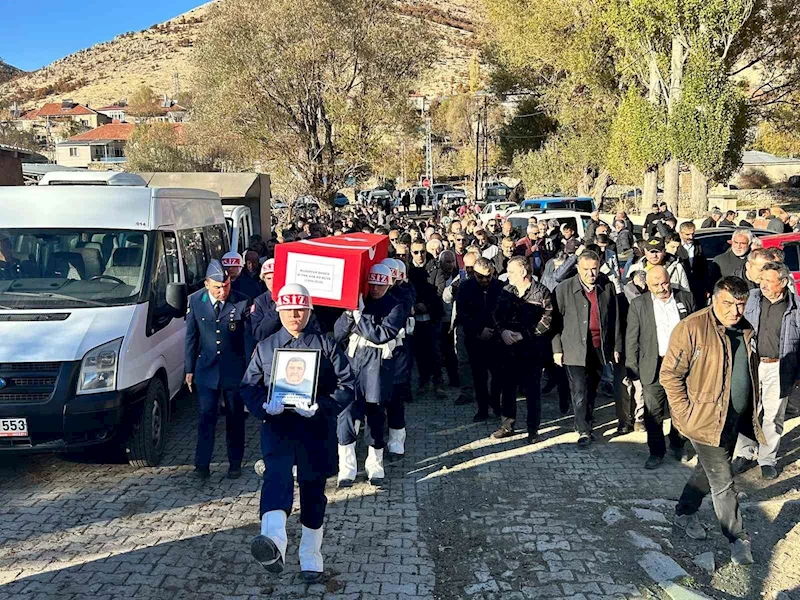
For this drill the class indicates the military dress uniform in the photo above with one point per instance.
(370, 336)
(406, 295)
(290, 438)
(215, 352)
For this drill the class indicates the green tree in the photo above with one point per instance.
(315, 99)
(157, 147)
(527, 129)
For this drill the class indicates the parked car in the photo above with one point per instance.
(790, 244)
(340, 200)
(495, 210)
(580, 204)
(578, 220)
(377, 196)
(716, 240)
(240, 226)
(454, 198)
(495, 192)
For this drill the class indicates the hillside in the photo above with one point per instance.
(8, 72)
(109, 71)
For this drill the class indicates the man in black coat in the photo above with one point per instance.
(651, 319)
(588, 337)
(476, 303)
(733, 259)
(691, 256)
(428, 312)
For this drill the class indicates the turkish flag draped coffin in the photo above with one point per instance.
(334, 269)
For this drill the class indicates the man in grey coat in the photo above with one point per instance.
(774, 312)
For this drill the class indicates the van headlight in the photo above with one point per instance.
(99, 369)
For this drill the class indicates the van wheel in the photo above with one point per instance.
(145, 446)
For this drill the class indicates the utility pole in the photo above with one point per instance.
(477, 153)
(485, 170)
(428, 152)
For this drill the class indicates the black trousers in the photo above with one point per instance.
(208, 400)
(624, 395)
(483, 362)
(523, 372)
(713, 475)
(558, 375)
(447, 344)
(655, 411)
(396, 407)
(583, 384)
(426, 351)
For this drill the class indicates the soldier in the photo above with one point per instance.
(240, 281)
(216, 343)
(302, 436)
(403, 359)
(265, 321)
(371, 334)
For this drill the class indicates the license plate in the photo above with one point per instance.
(17, 427)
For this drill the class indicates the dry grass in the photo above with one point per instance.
(109, 71)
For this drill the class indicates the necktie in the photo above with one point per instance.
(217, 308)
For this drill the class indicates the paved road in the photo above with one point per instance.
(462, 516)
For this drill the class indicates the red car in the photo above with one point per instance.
(790, 244)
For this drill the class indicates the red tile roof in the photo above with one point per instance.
(113, 107)
(109, 132)
(30, 115)
(54, 109)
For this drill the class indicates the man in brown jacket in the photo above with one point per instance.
(711, 379)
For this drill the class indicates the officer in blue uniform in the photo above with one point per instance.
(370, 335)
(241, 281)
(215, 363)
(406, 295)
(302, 436)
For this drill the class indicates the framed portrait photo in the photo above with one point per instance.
(295, 374)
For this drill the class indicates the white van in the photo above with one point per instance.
(95, 269)
(240, 226)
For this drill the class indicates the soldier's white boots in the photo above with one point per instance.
(374, 465)
(397, 441)
(347, 465)
(311, 550)
(273, 526)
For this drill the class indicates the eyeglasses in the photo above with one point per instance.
(417, 252)
(458, 239)
(481, 276)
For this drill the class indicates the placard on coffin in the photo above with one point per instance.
(333, 269)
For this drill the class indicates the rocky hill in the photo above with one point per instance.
(7, 72)
(161, 58)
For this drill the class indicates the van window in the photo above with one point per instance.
(215, 238)
(195, 259)
(792, 260)
(165, 270)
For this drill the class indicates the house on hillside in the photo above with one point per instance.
(115, 112)
(103, 146)
(67, 110)
(56, 121)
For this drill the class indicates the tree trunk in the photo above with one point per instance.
(699, 204)
(672, 185)
(671, 168)
(650, 189)
(600, 186)
(586, 182)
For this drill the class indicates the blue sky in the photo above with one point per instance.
(41, 32)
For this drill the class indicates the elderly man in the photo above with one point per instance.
(476, 303)
(774, 312)
(727, 263)
(215, 359)
(501, 256)
(524, 315)
(507, 230)
(587, 338)
(434, 247)
(714, 217)
(651, 318)
(710, 376)
(750, 272)
(297, 436)
(655, 255)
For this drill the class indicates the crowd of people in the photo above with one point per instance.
(644, 319)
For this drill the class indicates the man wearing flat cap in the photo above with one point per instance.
(216, 359)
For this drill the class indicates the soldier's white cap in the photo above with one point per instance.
(231, 259)
(293, 296)
(268, 266)
(390, 262)
(401, 268)
(379, 275)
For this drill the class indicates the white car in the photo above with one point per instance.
(495, 210)
(579, 220)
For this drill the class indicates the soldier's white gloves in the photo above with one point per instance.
(273, 407)
(304, 410)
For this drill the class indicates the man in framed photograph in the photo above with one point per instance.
(300, 432)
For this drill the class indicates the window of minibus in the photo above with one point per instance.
(195, 257)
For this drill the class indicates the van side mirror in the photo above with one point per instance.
(177, 297)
